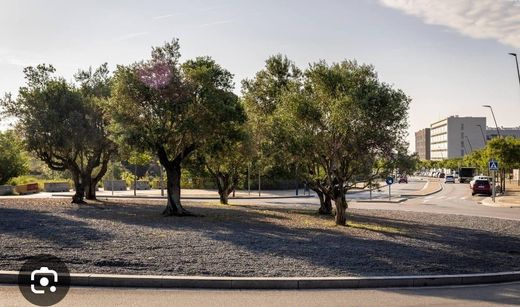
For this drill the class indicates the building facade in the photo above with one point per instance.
(456, 136)
(492, 132)
(422, 143)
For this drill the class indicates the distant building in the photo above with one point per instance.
(456, 136)
(422, 143)
(492, 132)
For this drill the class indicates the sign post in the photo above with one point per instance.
(389, 180)
(493, 167)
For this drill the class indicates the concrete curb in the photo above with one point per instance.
(189, 197)
(498, 204)
(395, 200)
(427, 194)
(150, 281)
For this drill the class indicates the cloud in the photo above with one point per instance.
(216, 23)
(482, 19)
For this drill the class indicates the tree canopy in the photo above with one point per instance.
(172, 109)
(63, 124)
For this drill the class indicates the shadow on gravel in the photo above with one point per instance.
(46, 227)
(421, 248)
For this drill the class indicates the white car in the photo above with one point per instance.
(449, 179)
(472, 182)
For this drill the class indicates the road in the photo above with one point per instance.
(481, 295)
(455, 198)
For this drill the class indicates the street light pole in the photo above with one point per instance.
(483, 136)
(493, 113)
(470, 147)
(517, 69)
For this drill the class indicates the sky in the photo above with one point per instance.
(450, 56)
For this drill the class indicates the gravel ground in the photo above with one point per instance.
(133, 238)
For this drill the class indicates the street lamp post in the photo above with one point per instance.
(492, 113)
(517, 69)
(470, 147)
(483, 136)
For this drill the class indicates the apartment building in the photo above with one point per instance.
(455, 136)
(422, 143)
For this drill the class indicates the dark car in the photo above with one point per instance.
(442, 175)
(403, 179)
(481, 187)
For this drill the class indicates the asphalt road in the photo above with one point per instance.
(481, 295)
(455, 198)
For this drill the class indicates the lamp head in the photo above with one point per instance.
(512, 53)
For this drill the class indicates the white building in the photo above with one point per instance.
(456, 136)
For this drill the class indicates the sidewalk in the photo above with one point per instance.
(511, 199)
(194, 194)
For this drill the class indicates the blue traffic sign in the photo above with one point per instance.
(389, 180)
(493, 165)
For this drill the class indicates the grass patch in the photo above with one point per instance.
(376, 228)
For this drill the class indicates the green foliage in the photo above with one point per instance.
(172, 109)
(341, 124)
(63, 124)
(13, 159)
(263, 96)
(160, 105)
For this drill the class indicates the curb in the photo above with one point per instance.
(188, 197)
(395, 200)
(151, 281)
(428, 194)
(498, 204)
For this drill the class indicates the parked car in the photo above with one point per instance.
(481, 186)
(449, 179)
(403, 179)
(442, 175)
(472, 182)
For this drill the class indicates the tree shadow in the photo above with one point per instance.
(421, 248)
(46, 227)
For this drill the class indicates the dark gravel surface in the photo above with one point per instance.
(133, 238)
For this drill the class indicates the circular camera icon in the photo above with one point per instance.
(44, 280)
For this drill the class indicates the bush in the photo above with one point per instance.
(13, 160)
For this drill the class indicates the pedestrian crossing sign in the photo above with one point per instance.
(493, 165)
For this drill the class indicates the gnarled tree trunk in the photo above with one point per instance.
(325, 202)
(341, 204)
(225, 185)
(77, 198)
(173, 188)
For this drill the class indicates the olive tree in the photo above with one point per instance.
(345, 124)
(171, 109)
(63, 123)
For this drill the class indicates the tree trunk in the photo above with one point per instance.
(173, 188)
(77, 198)
(341, 211)
(325, 203)
(90, 189)
(341, 204)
